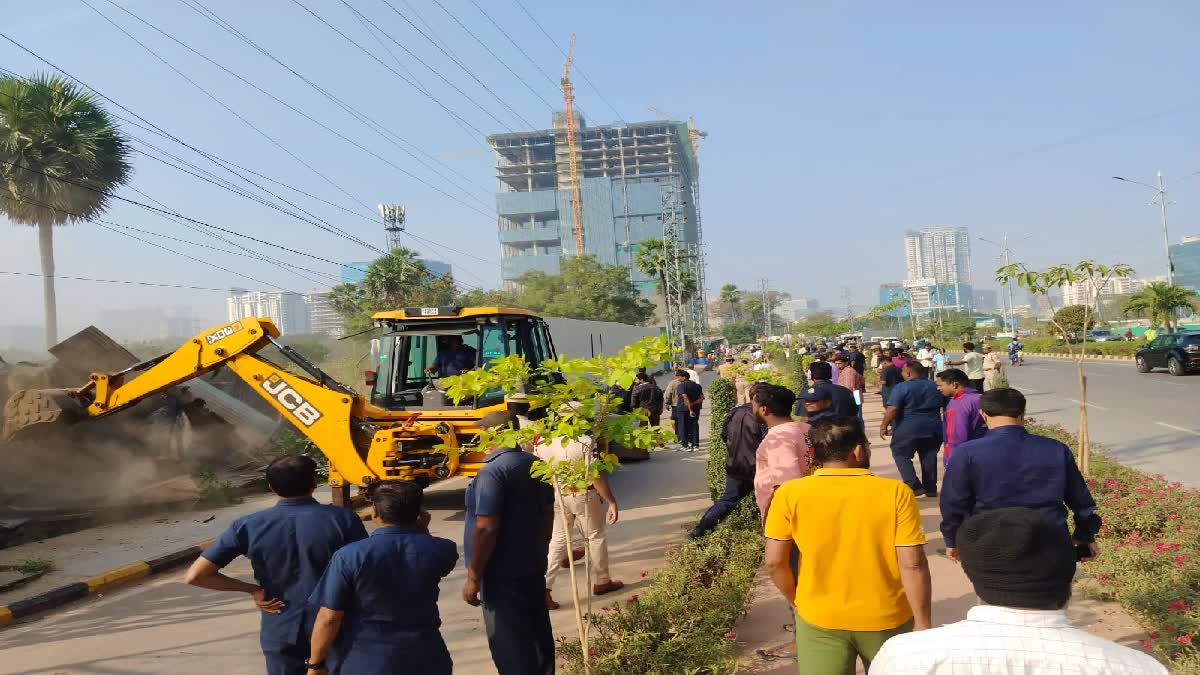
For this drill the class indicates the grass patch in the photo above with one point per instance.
(35, 566)
(1149, 552)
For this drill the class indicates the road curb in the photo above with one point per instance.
(100, 583)
(1089, 357)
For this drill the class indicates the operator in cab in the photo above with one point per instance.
(454, 357)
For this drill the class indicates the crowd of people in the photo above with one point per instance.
(844, 546)
(847, 547)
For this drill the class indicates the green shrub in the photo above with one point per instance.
(1049, 345)
(722, 397)
(213, 490)
(683, 622)
(797, 377)
(1149, 552)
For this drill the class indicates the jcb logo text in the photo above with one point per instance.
(289, 398)
(223, 333)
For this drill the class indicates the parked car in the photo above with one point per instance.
(1179, 353)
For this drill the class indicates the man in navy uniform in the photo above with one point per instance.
(378, 597)
(507, 529)
(289, 546)
(914, 421)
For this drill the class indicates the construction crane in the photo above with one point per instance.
(572, 147)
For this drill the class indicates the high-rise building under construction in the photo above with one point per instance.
(636, 182)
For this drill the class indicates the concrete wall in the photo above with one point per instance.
(576, 338)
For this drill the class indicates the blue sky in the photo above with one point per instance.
(832, 129)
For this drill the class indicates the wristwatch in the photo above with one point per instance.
(318, 665)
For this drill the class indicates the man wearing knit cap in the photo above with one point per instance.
(1021, 564)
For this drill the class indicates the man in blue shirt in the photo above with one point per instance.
(509, 521)
(378, 597)
(914, 421)
(842, 399)
(1011, 467)
(289, 546)
(689, 398)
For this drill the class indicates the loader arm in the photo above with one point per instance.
(320, 408)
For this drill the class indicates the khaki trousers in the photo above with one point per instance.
(595, 530)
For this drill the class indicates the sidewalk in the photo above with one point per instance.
(763, 627)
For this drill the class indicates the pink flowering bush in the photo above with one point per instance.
(1149, 552)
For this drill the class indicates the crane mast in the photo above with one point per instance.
(568, 90)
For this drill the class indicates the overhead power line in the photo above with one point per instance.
(309, 117)
(227, 107)
(218, 228)
(389, 135)
(494, 55)
(576, 68)
(458, 62)
(517, 46)
(407, 80)
(117, 281)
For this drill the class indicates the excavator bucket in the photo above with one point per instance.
(34, 413)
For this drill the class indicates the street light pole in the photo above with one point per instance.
(1009, 314)
(1162, 206)
(1160, 195)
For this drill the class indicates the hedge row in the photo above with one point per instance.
(1047, 345)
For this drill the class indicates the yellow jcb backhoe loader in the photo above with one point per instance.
(392, 434)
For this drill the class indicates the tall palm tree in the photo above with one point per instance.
(730, 302)
(1159, 302)
(392, 279)
(61, 157)
(654, 259)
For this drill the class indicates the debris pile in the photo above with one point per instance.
(142, 455)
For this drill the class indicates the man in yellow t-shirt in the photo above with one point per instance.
(863, 575)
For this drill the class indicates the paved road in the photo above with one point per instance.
(164, 626)
(1148, 421)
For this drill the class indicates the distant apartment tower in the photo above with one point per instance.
(322, 320)
(938, 268)
(287, 310)
(355, 272)
(797, 308)
(632, 177)
(1185, 256)
(985, 300)
(1088, 292)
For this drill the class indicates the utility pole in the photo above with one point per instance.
(763, 283)
(1161, 199)
(1006, 256)
(1162, 205)
(849, 308)
(671, 271)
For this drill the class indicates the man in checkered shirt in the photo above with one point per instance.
(1021, 564)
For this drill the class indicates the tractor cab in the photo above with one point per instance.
(422, 345)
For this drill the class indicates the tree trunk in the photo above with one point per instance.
(46, 249)
(1085, 452)
(562, 512)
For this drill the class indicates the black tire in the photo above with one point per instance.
(1175, 367)
(1142, 367)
